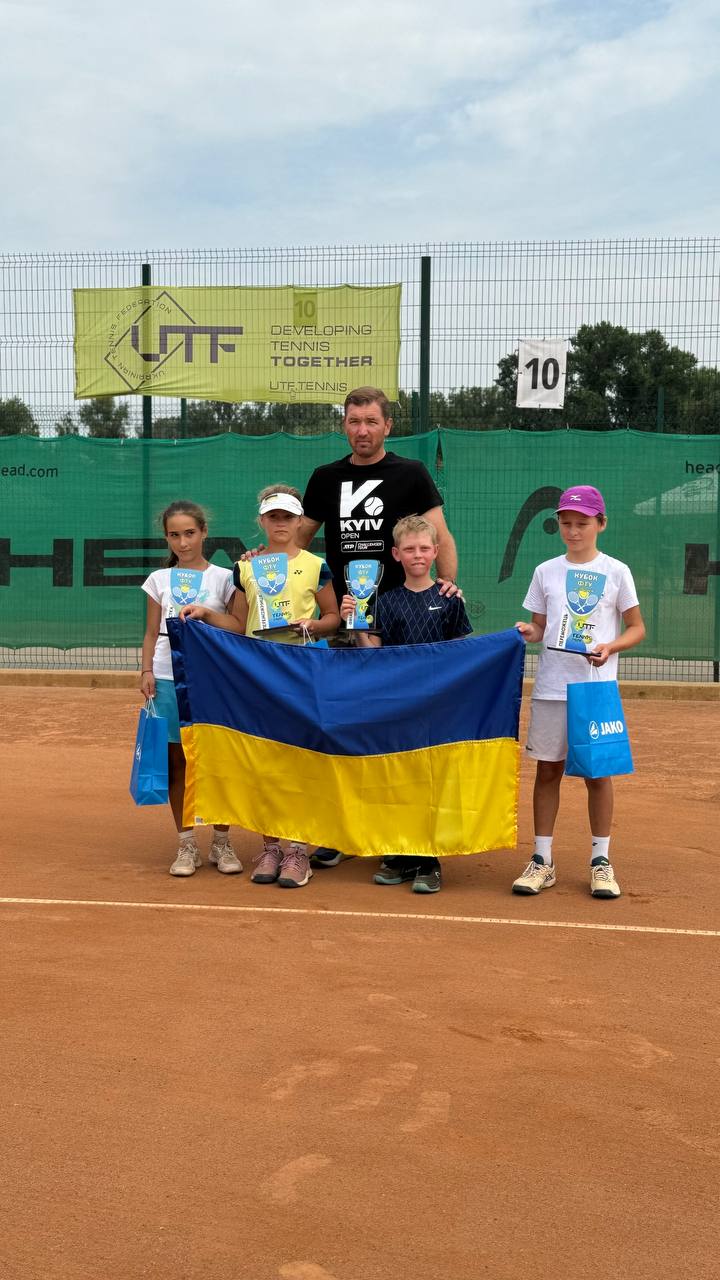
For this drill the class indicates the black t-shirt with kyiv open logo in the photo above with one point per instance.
(359, 506)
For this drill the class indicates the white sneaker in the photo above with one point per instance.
(223, 856)
(535, 877)
(602, 881)
(188, 859)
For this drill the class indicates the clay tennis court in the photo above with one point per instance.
(209, 1078)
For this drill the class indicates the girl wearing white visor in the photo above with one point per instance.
(314, 615)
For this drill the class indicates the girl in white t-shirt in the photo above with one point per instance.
(187, 578)
(583, 603)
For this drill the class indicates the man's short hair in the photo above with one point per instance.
(369, 395)
(414, 524)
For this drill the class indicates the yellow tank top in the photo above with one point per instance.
(307, 573)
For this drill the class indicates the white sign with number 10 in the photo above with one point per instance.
(542, 367)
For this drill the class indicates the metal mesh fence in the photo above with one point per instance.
(642, 319)
(483, 299)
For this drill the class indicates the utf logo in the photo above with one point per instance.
(151, 333)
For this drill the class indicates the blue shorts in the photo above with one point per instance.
(167, 707)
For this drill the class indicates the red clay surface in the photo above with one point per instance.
(250, 1095)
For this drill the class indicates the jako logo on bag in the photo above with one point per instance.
(605, 727)
(351, 498)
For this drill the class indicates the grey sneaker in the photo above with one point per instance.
(396, 868)
(427, 880)
(223, 856)
(536, 876)
(602, 880)
(267, 865)
(295, 868)
(187, 860)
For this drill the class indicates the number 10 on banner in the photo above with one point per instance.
(542, 367)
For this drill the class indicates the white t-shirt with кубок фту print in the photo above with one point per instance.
(216, 590)
(583, 604)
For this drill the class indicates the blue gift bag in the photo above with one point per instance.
(598, 744)
(149, 777)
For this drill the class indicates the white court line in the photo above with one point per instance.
(363, 915)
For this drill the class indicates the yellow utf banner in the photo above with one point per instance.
(235, 344)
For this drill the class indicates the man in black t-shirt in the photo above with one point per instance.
(360, 499)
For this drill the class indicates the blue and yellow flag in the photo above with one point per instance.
(406, 750)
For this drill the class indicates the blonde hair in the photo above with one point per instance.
(268, 492)
(414, 524)
(270, 489)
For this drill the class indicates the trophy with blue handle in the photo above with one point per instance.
(363, 578)
(185, 588)
(273, 598)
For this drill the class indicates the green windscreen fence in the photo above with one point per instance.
(79, 529)
(661, 495)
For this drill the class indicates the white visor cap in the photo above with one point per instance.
(281, 502)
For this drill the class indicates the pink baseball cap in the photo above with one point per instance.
(582, 498)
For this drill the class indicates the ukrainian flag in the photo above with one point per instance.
(407, 750)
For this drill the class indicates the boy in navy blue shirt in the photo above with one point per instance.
(416, 613)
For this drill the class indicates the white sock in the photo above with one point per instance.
(186, 835)
(600, 848)
(220, 837)
(543, 849)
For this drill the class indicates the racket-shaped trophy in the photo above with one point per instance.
(363, 577)
(273, 598)
(583, 590)
(185, 587)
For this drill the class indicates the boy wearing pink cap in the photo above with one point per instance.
(578, 602)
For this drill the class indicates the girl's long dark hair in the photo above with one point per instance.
(181, 508)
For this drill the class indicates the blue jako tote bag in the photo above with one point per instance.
(598, 744)
(149, 777)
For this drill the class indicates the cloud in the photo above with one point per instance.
(569, 97)
(237, 123)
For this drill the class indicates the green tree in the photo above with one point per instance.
(700, 413)
(16, 419)
(302, 419)
(166, 429)
(67, 426)
(103, 419)
(615, 378)
(211, 417)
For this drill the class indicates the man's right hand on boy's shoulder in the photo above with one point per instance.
(252, 552)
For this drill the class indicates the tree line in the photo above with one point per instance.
(615, 380)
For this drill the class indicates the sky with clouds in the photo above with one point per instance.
(388, 121)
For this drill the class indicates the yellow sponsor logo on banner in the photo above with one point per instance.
(282, 344)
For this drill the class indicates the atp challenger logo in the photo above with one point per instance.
(145, 336)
